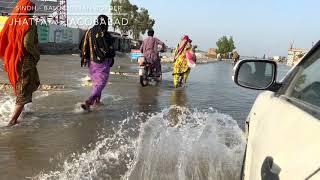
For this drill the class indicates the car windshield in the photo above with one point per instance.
(306, 86)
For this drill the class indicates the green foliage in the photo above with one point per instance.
(225, 45)
(142, 23)
(139, 20)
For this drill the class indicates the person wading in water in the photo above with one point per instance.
(98, 53)
(181, 69)
(235, 57)
(20, 54)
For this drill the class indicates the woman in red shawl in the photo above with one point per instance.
(20, 54)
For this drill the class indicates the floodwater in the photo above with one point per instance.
(151, 133)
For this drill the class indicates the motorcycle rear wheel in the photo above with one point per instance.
(144, 81)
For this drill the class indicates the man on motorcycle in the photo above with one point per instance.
(150, 51)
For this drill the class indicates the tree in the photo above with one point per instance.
(127, 11)
(139, 20)
(231, 44)
(143, 22)
(225, 45)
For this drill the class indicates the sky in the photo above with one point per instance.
(258, 26)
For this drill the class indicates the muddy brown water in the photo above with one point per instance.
(147, 133)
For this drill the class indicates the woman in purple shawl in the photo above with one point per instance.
(98, 53)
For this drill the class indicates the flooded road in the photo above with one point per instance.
(140, 134)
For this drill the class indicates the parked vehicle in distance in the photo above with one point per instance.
(283, 127)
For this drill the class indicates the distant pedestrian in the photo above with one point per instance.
(235, 57)
(20, 53)
(219, 57)
(98, 53)
(230, 55)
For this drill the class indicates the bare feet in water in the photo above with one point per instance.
(13, 123)
(17, 112)
(86, 107)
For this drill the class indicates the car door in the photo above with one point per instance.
(284, 127)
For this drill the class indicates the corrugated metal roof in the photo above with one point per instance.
(44, 7)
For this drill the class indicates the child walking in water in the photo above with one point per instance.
(98, 53)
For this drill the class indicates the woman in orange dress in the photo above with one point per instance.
(20, 54)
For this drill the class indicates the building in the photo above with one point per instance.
(295, 55)
(279, 59)
(212, 53)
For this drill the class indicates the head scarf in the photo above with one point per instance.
(185, 43)
(97, 42)
(185, 37)
(103, 22)
(12, 38)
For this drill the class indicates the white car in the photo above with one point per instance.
(283, 127)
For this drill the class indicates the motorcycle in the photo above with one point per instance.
(147, 73)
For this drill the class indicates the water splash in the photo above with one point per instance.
(7, 104)
(183, 144)
(105, 99)
(105, 159)
(177, 143)
(86, 81)
(6, 109)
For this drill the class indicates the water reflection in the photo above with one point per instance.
(179, 97)
(148, 99)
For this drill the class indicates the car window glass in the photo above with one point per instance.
(306, 86)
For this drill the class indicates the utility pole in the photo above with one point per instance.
(291, 44)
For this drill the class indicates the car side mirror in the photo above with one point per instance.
(256, 74)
